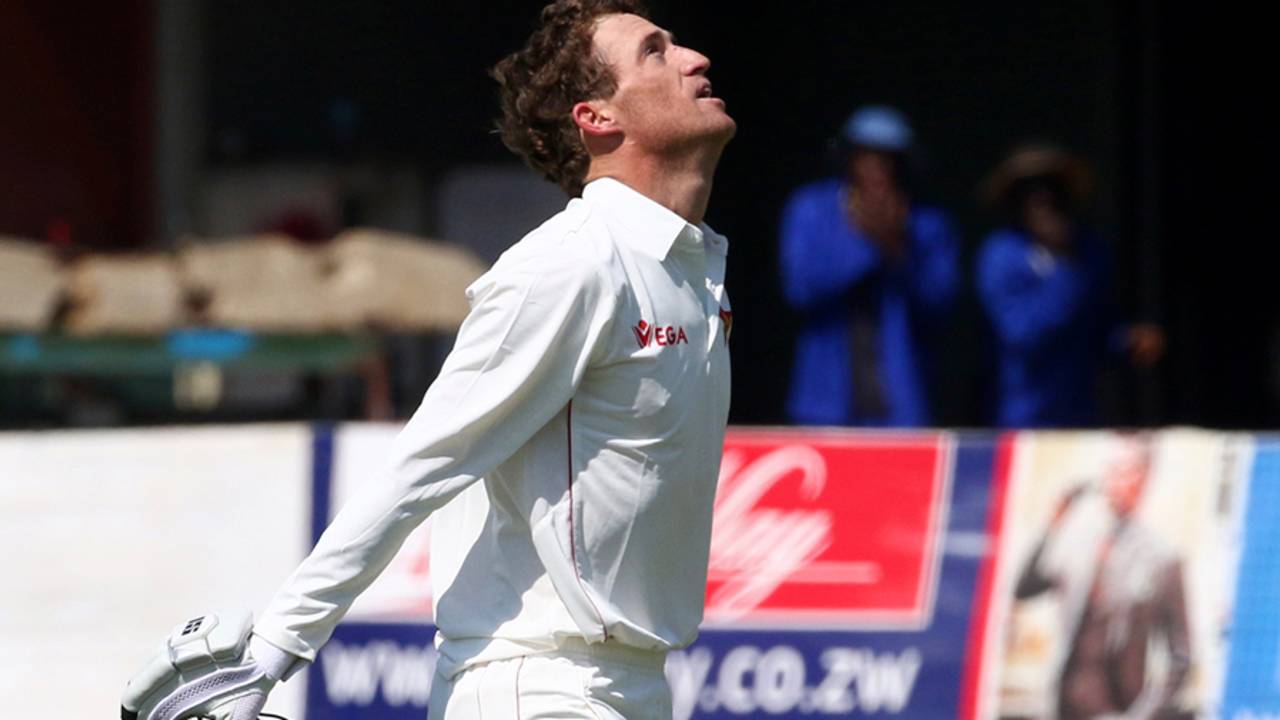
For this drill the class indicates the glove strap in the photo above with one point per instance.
(274, 662)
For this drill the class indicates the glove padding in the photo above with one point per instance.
(208, 667)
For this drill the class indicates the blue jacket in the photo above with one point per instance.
(829, 270)
(1053, 325)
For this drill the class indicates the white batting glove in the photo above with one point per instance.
(209, 667)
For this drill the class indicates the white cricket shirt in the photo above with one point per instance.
(589, 389)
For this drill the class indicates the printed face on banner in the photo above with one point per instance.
(834, 529)
(1113, 575)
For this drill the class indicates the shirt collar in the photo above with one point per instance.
(645, 224)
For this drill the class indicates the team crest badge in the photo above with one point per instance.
(726, 320)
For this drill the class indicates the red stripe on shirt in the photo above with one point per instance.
(519, 667)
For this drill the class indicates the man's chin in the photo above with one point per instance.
(722, 126)
(729, 129)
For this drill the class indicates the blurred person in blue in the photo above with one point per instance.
(872, 272)
(1045, 282)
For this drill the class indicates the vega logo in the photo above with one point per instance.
(660, 335)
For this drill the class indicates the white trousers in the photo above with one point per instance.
(574, 683)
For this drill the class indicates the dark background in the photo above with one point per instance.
(1139, 88)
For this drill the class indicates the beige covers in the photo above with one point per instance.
(31, 285)
(363, 279)
(269, 283)
(124, 295)
(398, 282)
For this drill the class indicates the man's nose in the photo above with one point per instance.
(695, 63)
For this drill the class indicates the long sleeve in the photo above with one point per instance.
(1034, 580)
(1027, 308)
(821, 258)
(934, 262)
(518, 359)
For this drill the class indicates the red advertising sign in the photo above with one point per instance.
(828, 529)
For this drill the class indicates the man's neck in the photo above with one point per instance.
(681, 184)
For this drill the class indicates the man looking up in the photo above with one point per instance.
(587, 392)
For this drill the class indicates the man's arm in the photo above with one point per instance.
(817, 267)
(934, 263)
(519, 356)
(1026, 310)
(1034, 580)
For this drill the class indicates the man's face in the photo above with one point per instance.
(1127, 477)
(872, 171)
(664, 100)
(1045, 220)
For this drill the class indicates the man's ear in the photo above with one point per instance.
(594, 118)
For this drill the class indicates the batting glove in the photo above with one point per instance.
(209, 667)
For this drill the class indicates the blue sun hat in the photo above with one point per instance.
(879, 127)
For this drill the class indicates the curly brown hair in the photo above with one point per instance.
(540, 83)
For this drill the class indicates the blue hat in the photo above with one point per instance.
(879, 127)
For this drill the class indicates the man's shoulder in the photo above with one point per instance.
(930, 218)
(816, 194)
(568, 248)
(1005, 240)
(572, 235)
(1005, 253)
